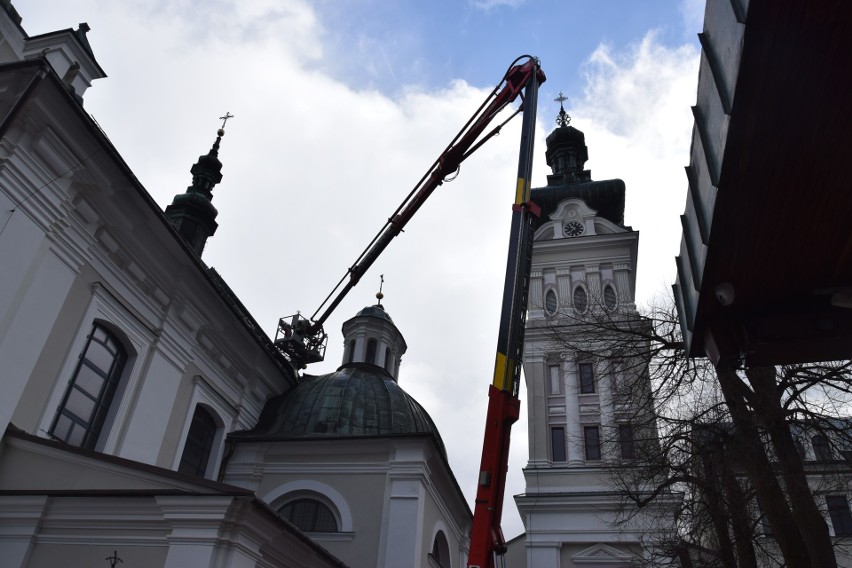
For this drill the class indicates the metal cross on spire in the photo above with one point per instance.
(379, 294)
(114, 559)
(228, 115)
(563, 119)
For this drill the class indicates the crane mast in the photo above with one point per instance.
(486, 540)
(302, 341)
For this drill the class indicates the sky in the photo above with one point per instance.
(339, 108)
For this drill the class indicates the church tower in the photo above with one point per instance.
(583, 270)
(192, 213)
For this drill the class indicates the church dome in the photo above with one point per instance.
(357, 400)
(567, 154)
(376, 311)
(568, 135)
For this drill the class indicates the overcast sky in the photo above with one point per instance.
(341, 105)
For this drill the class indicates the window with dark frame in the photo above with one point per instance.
(199, 443)
(351, 356)
(841, 517)
(822, 448)
(626, 442)
(84, 407)
(592, 439)
(371, 351)
(440, 554)
(587, 378)
(554, 383)
(309, 515)
(557, 444)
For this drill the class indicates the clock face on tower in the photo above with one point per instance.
(573, 229)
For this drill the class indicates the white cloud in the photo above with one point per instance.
(635, 111)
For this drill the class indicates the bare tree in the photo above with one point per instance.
(722, 437)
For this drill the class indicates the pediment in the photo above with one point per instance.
(576, 212)
(601, 555)
(572, 209)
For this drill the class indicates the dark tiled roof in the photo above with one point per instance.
(607, 197)
(377, 311)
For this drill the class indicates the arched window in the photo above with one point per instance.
(440, 554)
(371, 352)
(199, 443)
(83, 410)
(581, 300)
(387, 359)
(609, 298)
(551, 303)
(351, 356)
(309, 515)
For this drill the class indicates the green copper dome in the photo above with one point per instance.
(357, 400)
(377, 311)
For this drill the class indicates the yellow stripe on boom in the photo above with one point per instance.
(502, 371)
(520, 192)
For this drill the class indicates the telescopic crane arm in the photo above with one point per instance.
(303, 341)
(486, 539)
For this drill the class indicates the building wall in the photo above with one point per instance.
(78, 246)
(570, 506)
(390, 495)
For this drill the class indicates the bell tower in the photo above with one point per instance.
(583, 269)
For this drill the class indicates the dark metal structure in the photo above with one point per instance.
(765, 266)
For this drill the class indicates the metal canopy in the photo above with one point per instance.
(765, 269)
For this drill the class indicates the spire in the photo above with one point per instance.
(562, 119)
(379, 294)
(566, 150)
(192, 213)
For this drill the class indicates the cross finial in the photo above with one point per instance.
(379, 294)
(114, 559)
(562, 119)
(228, 115)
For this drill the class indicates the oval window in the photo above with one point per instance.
(581, 301)
(550, 302)
(609, 298)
